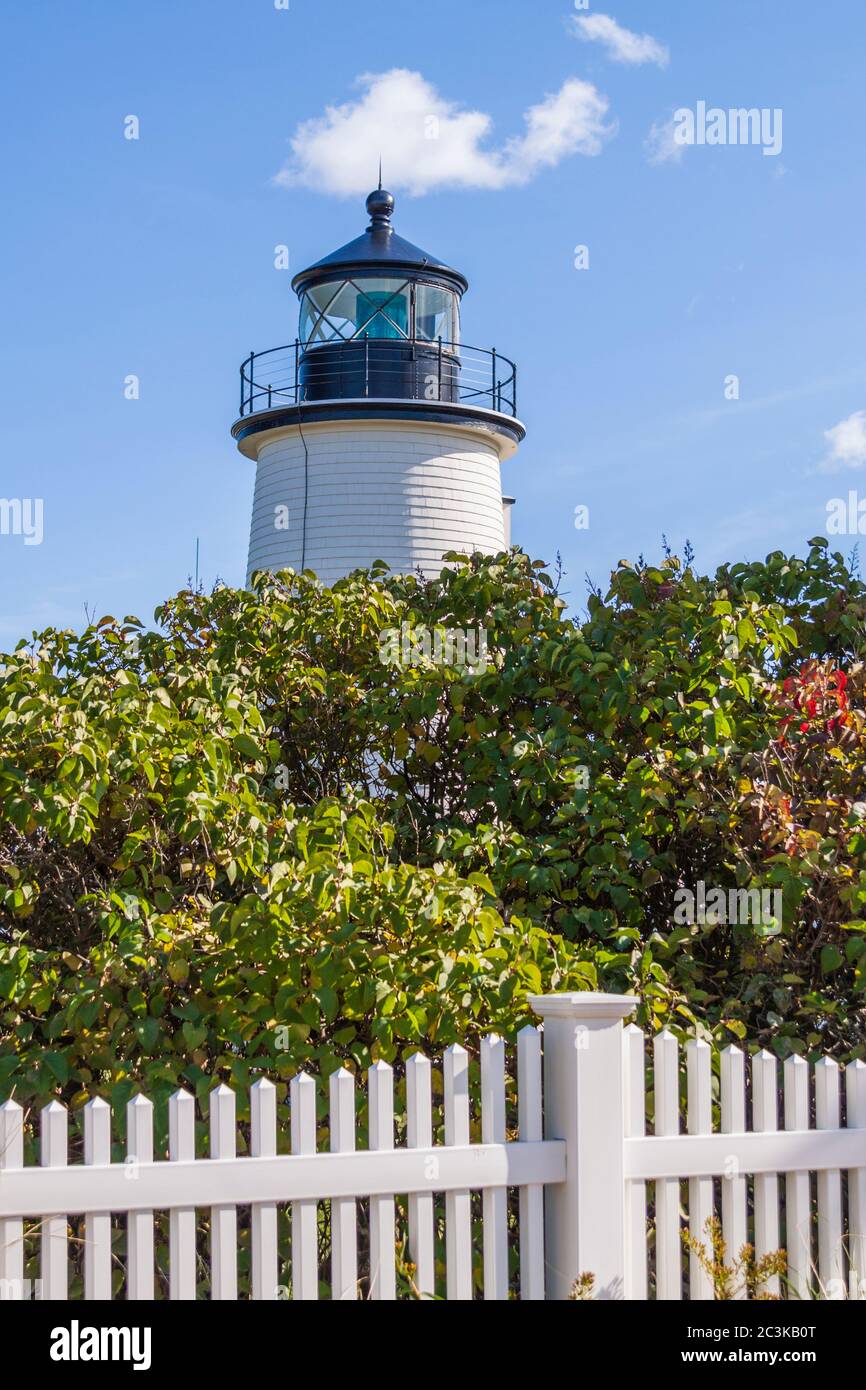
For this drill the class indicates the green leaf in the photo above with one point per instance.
(831, 959)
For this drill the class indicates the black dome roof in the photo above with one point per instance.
(379, 247)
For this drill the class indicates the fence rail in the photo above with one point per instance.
(572, 1183)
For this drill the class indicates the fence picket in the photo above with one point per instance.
(97, 1225)
(700, 1121)
(831, 1257)
(12, 1229)
(669, 1270)
(458, 1209)
(344, 1231)
(634, 1104)
(530, 1121)
(419, 1135)
(798, 1199)
(139, 1224)
(855, 1095)
(181, 1221)
(264, 1268)
(732, 1084)
(595, 1152)
(54, 1256)
(765, 1118)
(494, 1200)
(383, 1282)
(223, 1220)
(305, 1214)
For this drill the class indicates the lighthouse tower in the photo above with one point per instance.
(377, 434)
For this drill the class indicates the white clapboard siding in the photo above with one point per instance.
(700, 1121)
(494, 1199)
(344, 1231)
(798, 1197)
(458, 1209)
(732, 1107)
(383, 1279)
(182, 1235)
(419, 1135)
(97, 1225)
(572, 1161)
(391, 490)
(530, 1124)
(305, 1214)
(669, 1250)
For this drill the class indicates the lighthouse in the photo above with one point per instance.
(377, 434)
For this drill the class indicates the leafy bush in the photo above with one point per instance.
(245, 842)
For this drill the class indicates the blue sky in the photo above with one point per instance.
(155, 257)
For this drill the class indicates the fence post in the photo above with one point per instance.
(584, 1105)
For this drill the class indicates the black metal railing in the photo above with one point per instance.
(382, 368)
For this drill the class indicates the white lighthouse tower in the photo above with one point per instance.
(377, 434)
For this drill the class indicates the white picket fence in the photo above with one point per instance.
(596, 1193)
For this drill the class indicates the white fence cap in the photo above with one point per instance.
(583, 1004)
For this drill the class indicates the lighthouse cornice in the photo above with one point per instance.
(506, 431)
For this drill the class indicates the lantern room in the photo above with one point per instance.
(379, 286)
(380, 317)
(378, 434)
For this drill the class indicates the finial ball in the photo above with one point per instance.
(380, 205)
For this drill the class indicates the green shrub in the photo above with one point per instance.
(244, 842)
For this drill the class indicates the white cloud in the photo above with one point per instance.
(661, 144)
(847, 442)
(428, 142)
(622, 45)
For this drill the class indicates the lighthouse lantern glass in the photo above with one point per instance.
(378, 308)
(382, 309)
(436, 314)
(327, 313)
